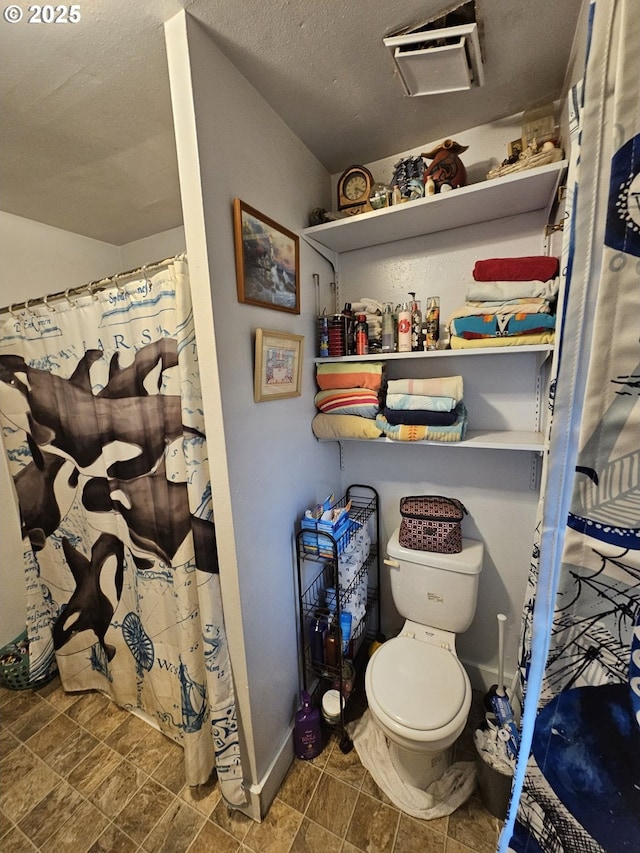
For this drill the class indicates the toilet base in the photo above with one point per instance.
(419, 769)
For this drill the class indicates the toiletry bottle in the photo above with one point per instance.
(307, 734)
(332, 644)
(396, 195)
(317, 635)
(432, 331)
(362, 335)
(404, 328)
(346, 621)
(347, 312)
(323, 336)
(388, 329)
(429, 186)
(416, 323)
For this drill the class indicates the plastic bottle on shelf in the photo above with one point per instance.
(332, 645)
(346, 621)
(362, 335)
(323, 336)
(396, 195)
(317, 635)
(404, 328)
(429, 186)
(330, 599)
(307, 734)
(347, 312)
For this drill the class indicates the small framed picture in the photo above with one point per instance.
(515, 148)
(278, 369)
(267, 262)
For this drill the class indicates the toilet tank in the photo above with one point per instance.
(439, 590)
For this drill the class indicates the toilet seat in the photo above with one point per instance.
(416, 686)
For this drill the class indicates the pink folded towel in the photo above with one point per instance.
(535, 267)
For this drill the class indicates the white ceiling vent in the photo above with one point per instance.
(431, 62)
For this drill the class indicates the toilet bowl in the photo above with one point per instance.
(419, 695)
(418, 691)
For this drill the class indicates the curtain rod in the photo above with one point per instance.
(91, 288)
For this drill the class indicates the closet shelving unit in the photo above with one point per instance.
(511, 195)
(318, 570)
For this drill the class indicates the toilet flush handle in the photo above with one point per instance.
(394, 564)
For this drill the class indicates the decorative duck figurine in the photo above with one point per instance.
(447, 167)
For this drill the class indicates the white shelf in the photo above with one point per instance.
(475, 439)
(484, 439)
(440, 353)
(510, 195)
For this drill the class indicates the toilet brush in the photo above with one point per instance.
(499, 701)
(491, 692)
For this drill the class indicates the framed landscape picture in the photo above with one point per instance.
(267, 260)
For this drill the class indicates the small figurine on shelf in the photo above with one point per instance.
(407, 174)
(447, 167)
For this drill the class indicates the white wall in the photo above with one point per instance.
(266, 465)
(155, 248)
(38, 259)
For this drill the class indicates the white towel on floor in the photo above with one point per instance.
(441, 798)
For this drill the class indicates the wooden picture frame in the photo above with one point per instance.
(278, 365)
(515, 148)
(267, 260)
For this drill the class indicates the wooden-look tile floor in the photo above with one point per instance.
(78, 774)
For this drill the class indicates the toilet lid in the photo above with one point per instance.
(418, 685)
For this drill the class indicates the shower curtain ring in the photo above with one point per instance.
(94, 296)
(12, 312)
(45, 299)
(118, 285)
(69, 299)
(26, 306)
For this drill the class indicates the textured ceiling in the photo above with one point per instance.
(87, 140)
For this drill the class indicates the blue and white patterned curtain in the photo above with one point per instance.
(103, 425)
(577, 783)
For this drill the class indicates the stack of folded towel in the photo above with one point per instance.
(348, 400)
(372, 309)
(510, 303)
(424, 410)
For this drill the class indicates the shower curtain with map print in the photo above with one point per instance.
(577, 782)
(103, 425)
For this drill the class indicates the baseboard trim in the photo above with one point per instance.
(261, 794)
(483, 677)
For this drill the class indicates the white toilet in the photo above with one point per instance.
(418, 691)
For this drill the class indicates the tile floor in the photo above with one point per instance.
(79, 774)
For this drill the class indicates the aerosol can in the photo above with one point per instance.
(432, 323)
(416, 323)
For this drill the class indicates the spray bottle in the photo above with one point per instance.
(388, 329)
(416, 323)
(404, 328)
(432, 323)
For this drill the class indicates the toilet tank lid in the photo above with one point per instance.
(467, 562)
